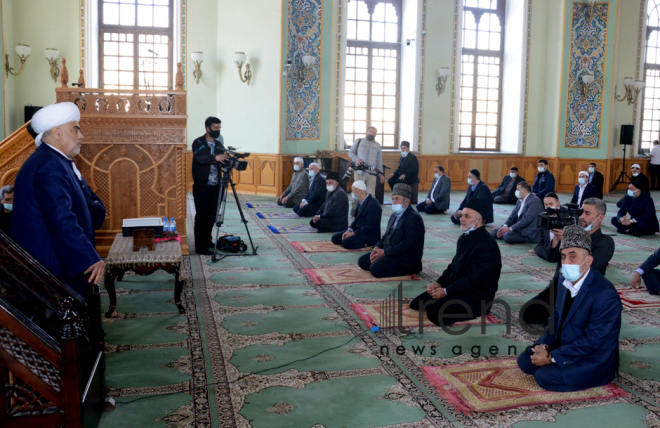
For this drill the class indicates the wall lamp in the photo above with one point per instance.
(443, 74)
(239, 59)
(52, 55)
(589, 13)
(23, 52)
(585, 82)
(197, 58)
(633, 88)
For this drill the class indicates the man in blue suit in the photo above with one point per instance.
(365, 229)
(580, 350)
(478, 189)
(52, 219)
(315, 196)
(521, 226)
(544, 182)
(643, 219)
(583, 190)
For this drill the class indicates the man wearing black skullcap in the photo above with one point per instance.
(637, 214)
(333, 214)
(477, 189)
(471, 278)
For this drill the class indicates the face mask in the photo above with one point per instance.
(330, 188)
(590, 227)
(353, 196)
(397, 208)
(518, 194)
(371, 137)
(214, 134)
(591, 169)
(470, 181)
(311, 174)
(404, 154)
(436, 175)
(541, 169)
(9, 207)
(582, 181)
(571, 272)
(296, 168)
(512, 175)
(635, 174)
(631, 193)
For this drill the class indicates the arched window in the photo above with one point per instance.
(371, 92)
(651, 103)
(481, 75)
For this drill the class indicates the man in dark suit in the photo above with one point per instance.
(581, 348)
(478, 189)
(472, 277)
(365, 229)
(51, 216)
(437, 201)
(408, 170)
(400, 250)
(315, 194)
(583, 190)
(544, 182)
(521, 226)
(506, 192)
(6, 207)
(596, 179)
(643, 219)
(208, 156)
(333, 214)
(639, 176)
(544, 246)
(648, 272)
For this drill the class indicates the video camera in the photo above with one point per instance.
(234, 161)
(355, 167)
(558, 218)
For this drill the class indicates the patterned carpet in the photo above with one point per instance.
(262, 345)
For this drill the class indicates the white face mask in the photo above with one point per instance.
(592, 169)
(513, 175)
(436, 175)
(635, 174)
(631, 193)
(518, 194)
(8, 207)
(541, 169)
(312, 174)
(404, 154)
(397, 208)
(582, 181)
(590, 227)
(296, 167)
(330, 188)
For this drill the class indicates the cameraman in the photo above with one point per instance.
(602, 250)
(208, 157)
(544, 247)
(368, 151)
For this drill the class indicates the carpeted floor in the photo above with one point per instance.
(263, 346)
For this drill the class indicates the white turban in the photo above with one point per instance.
(298, 160)
(54, 115)
(314, 164)
(636, 165)
(360, 185)
(583, 172)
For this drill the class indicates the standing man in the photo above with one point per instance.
(640, 208)
(408, 170)
(655, 165)
(208, 157)
(477, 189)
(7, 200)
(506, 192)
(293, 195)
(596, 179)
(333, 214)
(365, 229)
(521, 226)
(437, 201)
(583, 190)
(368, 151)
(315, 196)
(544, 182)
(51, 217)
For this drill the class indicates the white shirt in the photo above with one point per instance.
(655, 155)
(522, 205)
(75, 168)
(574, 288)
(580, 193)
(437, 180)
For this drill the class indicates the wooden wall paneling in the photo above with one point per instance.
(457, 172)
(496, 169)
(267, 175)
(189, 178)
(287, 172)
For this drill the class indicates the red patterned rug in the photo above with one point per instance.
(632, 298)
(349, 275)
(497, 385)
(372, 314)
(323, 247)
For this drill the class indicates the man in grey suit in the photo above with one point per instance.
(521, 227)
(437, 201)
(294, 194)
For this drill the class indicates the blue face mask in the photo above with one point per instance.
(467, 232)
(631, 193)
(437, 175)
(571, 272)
(582, 181)
(404, 154)
(397, 208)
(296, 168)
(9, 207)
(353, 196)
(512, 175)
(312, 174)
(470, 181)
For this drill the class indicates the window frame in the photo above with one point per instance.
(649, 66)
(136, 31)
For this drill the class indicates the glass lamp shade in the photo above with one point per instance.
(628, 81)
(52, 54)
(197, 56)
(308, 60)
(587, 79)
(639, 84)
(23, 51)
(240, 57)
(443, 72)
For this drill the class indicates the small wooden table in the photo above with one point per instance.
(122, 258)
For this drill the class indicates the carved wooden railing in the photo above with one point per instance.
(14, 150)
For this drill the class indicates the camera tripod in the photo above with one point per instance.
(623, 175)
(225, 181)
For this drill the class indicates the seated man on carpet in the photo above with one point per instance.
(521, 226)
(581, 348)
(602, 251)
(506, 192)
(437, 201)
(333, 214)
(477, 189)
(407, 171)
(597, 179)
(544, 246)
(365, 229)
(293, 195)
(315, 196)
(471, 278)
(637, 175)
(7, 201)
(400, 250)
(583, 190)
(640, 208)
(544, 182)
(648, 272)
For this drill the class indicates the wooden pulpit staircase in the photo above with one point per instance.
(52, 365)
